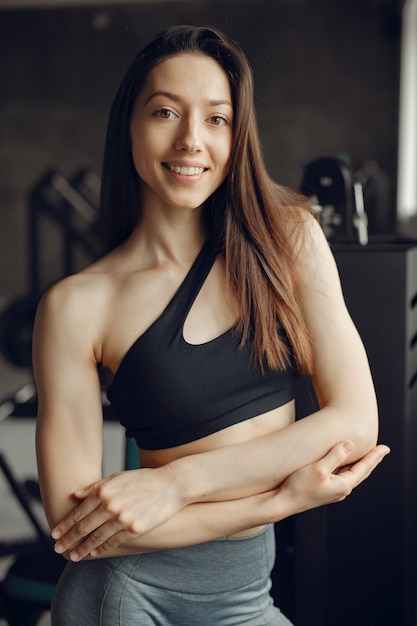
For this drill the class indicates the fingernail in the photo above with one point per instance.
(74, 556)
(348, 446)
(94, 552)
(55, 534)
(59, 548)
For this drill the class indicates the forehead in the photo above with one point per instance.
(193, 72)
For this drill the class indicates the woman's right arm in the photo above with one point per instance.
(69, 423)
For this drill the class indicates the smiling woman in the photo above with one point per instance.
(217, 290)
(181, 130)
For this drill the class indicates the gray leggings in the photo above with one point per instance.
(221, 583)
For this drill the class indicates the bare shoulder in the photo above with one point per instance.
(314, 261)
(73, 296)
(72, 312)
(306, 234)
(81, 294)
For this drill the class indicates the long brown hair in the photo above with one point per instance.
(253, 221)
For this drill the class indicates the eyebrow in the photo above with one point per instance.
(178, 98)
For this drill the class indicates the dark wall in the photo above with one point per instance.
(326, 75)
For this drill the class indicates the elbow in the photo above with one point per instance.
(366, 428)
(53, 516)
(358, 423)
(367, 437)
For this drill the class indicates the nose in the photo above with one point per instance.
(189, 135)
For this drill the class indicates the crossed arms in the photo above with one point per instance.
(312, 462)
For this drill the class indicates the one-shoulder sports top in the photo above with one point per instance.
(167, 392)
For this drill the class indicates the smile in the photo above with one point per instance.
(185, 171)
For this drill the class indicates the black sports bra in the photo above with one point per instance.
(167, 392)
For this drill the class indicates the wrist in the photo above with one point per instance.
(278, 504)
(187, 481)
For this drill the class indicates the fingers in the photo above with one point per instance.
(76, 516)
(113, 542)
(91, 534)
(346, 480)
(90, 525)
(363, 468)
(340, 480)
(108, 536)
(81, 523)
(76, 535)
(83, 493)
(334, 459)
(325, 481)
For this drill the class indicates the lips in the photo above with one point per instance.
(185, 170)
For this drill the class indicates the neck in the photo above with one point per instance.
(176, 235)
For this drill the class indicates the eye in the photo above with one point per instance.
(165, 114)
(218, 120)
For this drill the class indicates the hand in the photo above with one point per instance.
(116, 509)
(328, 480)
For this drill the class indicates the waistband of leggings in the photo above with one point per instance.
(214, 567)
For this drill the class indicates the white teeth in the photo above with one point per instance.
(186, 171)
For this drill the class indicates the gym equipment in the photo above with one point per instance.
(72, 207)
(54, 197)
(338, 198)
(16, 324)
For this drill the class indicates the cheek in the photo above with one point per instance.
(140, 167)
(228, 151)
(141, 152)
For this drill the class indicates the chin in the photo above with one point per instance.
(188, 204)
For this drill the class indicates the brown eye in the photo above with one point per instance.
(164, 114)
(218, 120)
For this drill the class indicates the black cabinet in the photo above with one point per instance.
(355, 562)
(374, 532)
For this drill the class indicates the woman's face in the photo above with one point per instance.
(181, 131)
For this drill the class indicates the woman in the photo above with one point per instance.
(216, 292)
